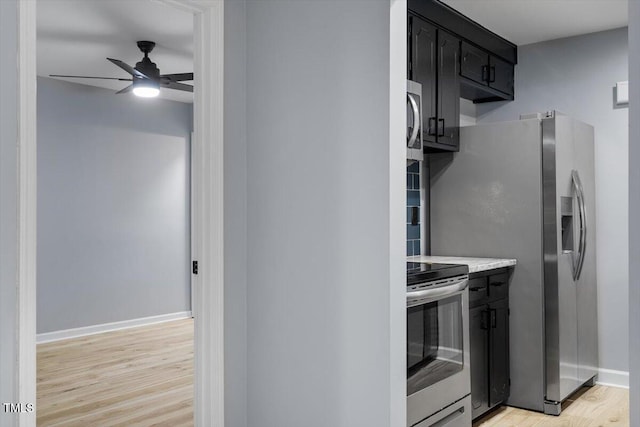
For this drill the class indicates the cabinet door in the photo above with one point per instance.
(501, 75)
(478, 342)
(448, 126)
(423, 70)
(498, 351)
(474, 63)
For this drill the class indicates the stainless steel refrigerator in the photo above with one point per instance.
(526, 189)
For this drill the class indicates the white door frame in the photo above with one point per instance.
(194, 168)
(207, 204)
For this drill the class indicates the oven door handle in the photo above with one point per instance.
(423, 295)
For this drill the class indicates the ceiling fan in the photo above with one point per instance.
(146, 79)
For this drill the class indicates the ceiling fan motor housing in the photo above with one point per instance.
(145, 66)
(148, 68)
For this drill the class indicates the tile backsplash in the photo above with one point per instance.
(413, 209)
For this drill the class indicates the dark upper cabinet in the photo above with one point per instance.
(501, 75)
(484, 77)
(422, 68)
(443, 16)
(474, 63)
(434, 58)
(448, 90)
(487, 61)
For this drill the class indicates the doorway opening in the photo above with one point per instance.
(207, 196)
(114, 327)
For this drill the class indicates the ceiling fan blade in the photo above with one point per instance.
(91, 77)
(177, 86)
(126, 89)
(179, 77)
(128, 68)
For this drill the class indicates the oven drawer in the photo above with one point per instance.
(456, 415)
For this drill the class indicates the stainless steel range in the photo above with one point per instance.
(438, 374)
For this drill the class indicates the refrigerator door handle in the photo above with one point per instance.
(582, 244)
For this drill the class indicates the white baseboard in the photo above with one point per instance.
(108, 327)
(613, 378)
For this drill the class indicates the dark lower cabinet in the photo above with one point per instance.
(498, 351)
(489, 339)
(479, 341)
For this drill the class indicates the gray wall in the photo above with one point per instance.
(576, 76)
(113, 206)
(235, 214)
(634, 211)
(8, 206)
(318, 213)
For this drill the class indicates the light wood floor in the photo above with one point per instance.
(135, 377)
(598, 406)
(144, 377)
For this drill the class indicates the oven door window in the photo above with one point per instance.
(434, 342)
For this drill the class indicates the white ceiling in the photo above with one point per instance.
(76, 36)
(531, 21)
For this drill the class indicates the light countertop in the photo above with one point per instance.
(475, 264)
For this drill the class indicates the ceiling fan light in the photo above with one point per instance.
(146, 92)
(146, 88)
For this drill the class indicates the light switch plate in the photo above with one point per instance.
(622, 93)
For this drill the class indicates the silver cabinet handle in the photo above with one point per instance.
(582, 245)
(417, 120)
(430, 294)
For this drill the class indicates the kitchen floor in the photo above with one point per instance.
(135, 377)
(597, 406)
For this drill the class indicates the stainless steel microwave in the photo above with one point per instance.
(414, 121)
